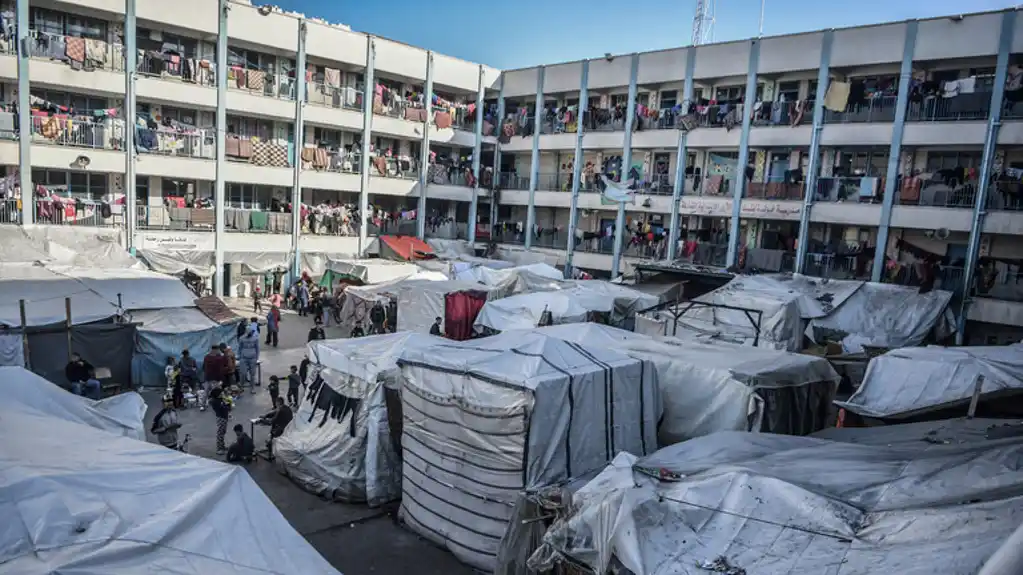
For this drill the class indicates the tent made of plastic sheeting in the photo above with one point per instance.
(719, 387)
(67, 245)
(450, 249)
(525, 311)
(77, 499)
(487, 419)
(907, 382)
(200, 262)
(372, 271)
(627, 301)
(164, 333)
(773, 505)
(131, 289)
(888, 316)
(404, 248)
(26, 392)
(456, 303)
(344, 443)
(358, 300)
(492, 276)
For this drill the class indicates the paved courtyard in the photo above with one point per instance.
(353, 538)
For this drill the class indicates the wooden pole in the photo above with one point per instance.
(24, 333)
(977, 388)
(67, 324)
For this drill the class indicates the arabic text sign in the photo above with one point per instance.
(722, 207)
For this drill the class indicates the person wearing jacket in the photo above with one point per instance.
(303, 299)
(273, 325)
(222, 411)
(230, 365)
(213, 367)
(248, 358)
(165, 424)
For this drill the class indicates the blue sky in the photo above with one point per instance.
(510, 35)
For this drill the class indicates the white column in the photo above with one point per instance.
(367, 133)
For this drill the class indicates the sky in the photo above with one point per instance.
(509, 36)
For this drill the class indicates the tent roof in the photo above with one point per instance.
(81, 499)
(524, 311)
(766, 503)
(408, 248)
(173, 320)
(372, 271)
(93, 292)
(521, 359)
(367, 357)
(908, 381)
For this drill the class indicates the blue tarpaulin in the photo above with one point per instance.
(166, 332)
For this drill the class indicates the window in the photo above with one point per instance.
(160, 41)
(327, 138)
(178, 115)
(142, 190)
(669, 98)
(60, 24)
(85, 27)
(619, 100)
(811, 93)
(177, 188)
(729, 93)
(787, 92)
(985, 79)
(49, 178)
(91, 186)
(949, 160)
(249, 127)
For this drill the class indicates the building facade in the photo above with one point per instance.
(888, 152)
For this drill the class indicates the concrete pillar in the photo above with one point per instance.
(680, 159)
(813, 165)
(296, 192)
(630, 118)
(24, 119)
(534, 162)
(220, 192)
(367, 135)
(740, 165)
(577, 168)
(477, 151)
(424, 150)
(130, 58)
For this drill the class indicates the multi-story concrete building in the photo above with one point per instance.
(863, 152)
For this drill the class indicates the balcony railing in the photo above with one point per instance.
(938, 194)
(834, 266)
(171, 67)
(324, 160)
(343, 97)
(513, 181)
(1007, 196)
(604, 120)
(85, 54)
(774, 190)
(849, 189)
(261, 83)
(170, 142)
(782, 113)
(203, 219)
(727, 116)
(975, 106)
(878, 109)
(79, 132)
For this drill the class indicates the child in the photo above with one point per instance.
(274, 388)
(294, 382)
(257, 299)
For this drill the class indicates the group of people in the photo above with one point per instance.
(380, 322)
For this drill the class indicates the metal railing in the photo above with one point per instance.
(879, 109)
(975, 106)
(47, 46)
(831, 266)
(943, 196)
(261, 83)
(1005, 196)
(157, 67)
(776, 190)
(79, 132)
(169, 142)
(717, 116)
(597, 121)
(846, 189)
(343, 97)
(783, 114)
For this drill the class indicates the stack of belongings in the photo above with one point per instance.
(344, 443)
(485, 421)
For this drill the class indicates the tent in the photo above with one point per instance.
(359, 300)
(524, 311)
(96, 293)
(915, 380)
(494, 276)
(457, 303)
(80, 497)
(404, 248)
(487, 419)
(718, 387)
(345, 440)
(770, 505)
(120, 415)
(360, 272)
(166, 332)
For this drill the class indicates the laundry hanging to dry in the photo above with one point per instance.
(837, 97)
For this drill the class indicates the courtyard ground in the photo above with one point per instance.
(355, 539)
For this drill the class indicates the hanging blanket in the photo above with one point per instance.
(269, 154)
(442, 119)
(75, 49)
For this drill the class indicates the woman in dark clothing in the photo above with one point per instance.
(222, 410)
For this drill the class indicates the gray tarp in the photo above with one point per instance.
(104, 345)
(775, 505)
(200, 263)
(905, 382)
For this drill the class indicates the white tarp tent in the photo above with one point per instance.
(913, 380)
(421, 301)
(340, 445)
(720, 387)
(494, 277)
(776, 505)
(96, 293)
(487, 419)
(173, 261)
(524, 311)
(372, 271)
(359, 300)
(79, 499)
(25, 391)
(67, 245)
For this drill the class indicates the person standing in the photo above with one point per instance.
(248, 354)
(274, 388)
(316, 332)
(257, 299)
(273, 325)
(165, 424)
(222, 410)
(294, 383)
(230, 365)
(303, 299)
(377, 317)
(213, 366)
(188, 374)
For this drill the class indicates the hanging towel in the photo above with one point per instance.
(967, 85)
(256, 80)
(75, 49)
(232, 147)
(381, 165)
(96, 51)
(321, 159)
(308, 154)
(332, 77)
(244, 148)
(837, 97)
(442, 120)
(259, 220)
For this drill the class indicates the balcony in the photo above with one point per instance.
(726, 116)
(783, 113)
(877, 109)
(964, 107)
(404, 168)
(1006, 195)
(78, 131)
(182, 142)
(170, 67)
(774, 190)
(605, 119)
(261, 83)
(337, 97)
(257, 151)
(322, 159)
(862, 189)
(78, 53)
(66, 210)
(236, 219)
(837, 266)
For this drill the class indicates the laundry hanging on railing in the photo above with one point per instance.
(620, 192)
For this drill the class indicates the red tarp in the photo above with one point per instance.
(406, 248)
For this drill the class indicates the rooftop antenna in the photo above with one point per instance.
(763, 4)
(703, 22)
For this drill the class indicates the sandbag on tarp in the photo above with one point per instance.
(25, 391)
(914, 380)
(340, 444)
(719, 387)
(489, 418)
(76, 499)
(777, 505)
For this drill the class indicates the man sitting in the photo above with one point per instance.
(243, 449)
(278, 420)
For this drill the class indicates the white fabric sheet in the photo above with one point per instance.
(905, 382)
(173, 320)
(44, 293)
(776, 505)
(25, 391)
(420, 302)
(524, 311)
(78, 499)
(12, 350)
(487, 418)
